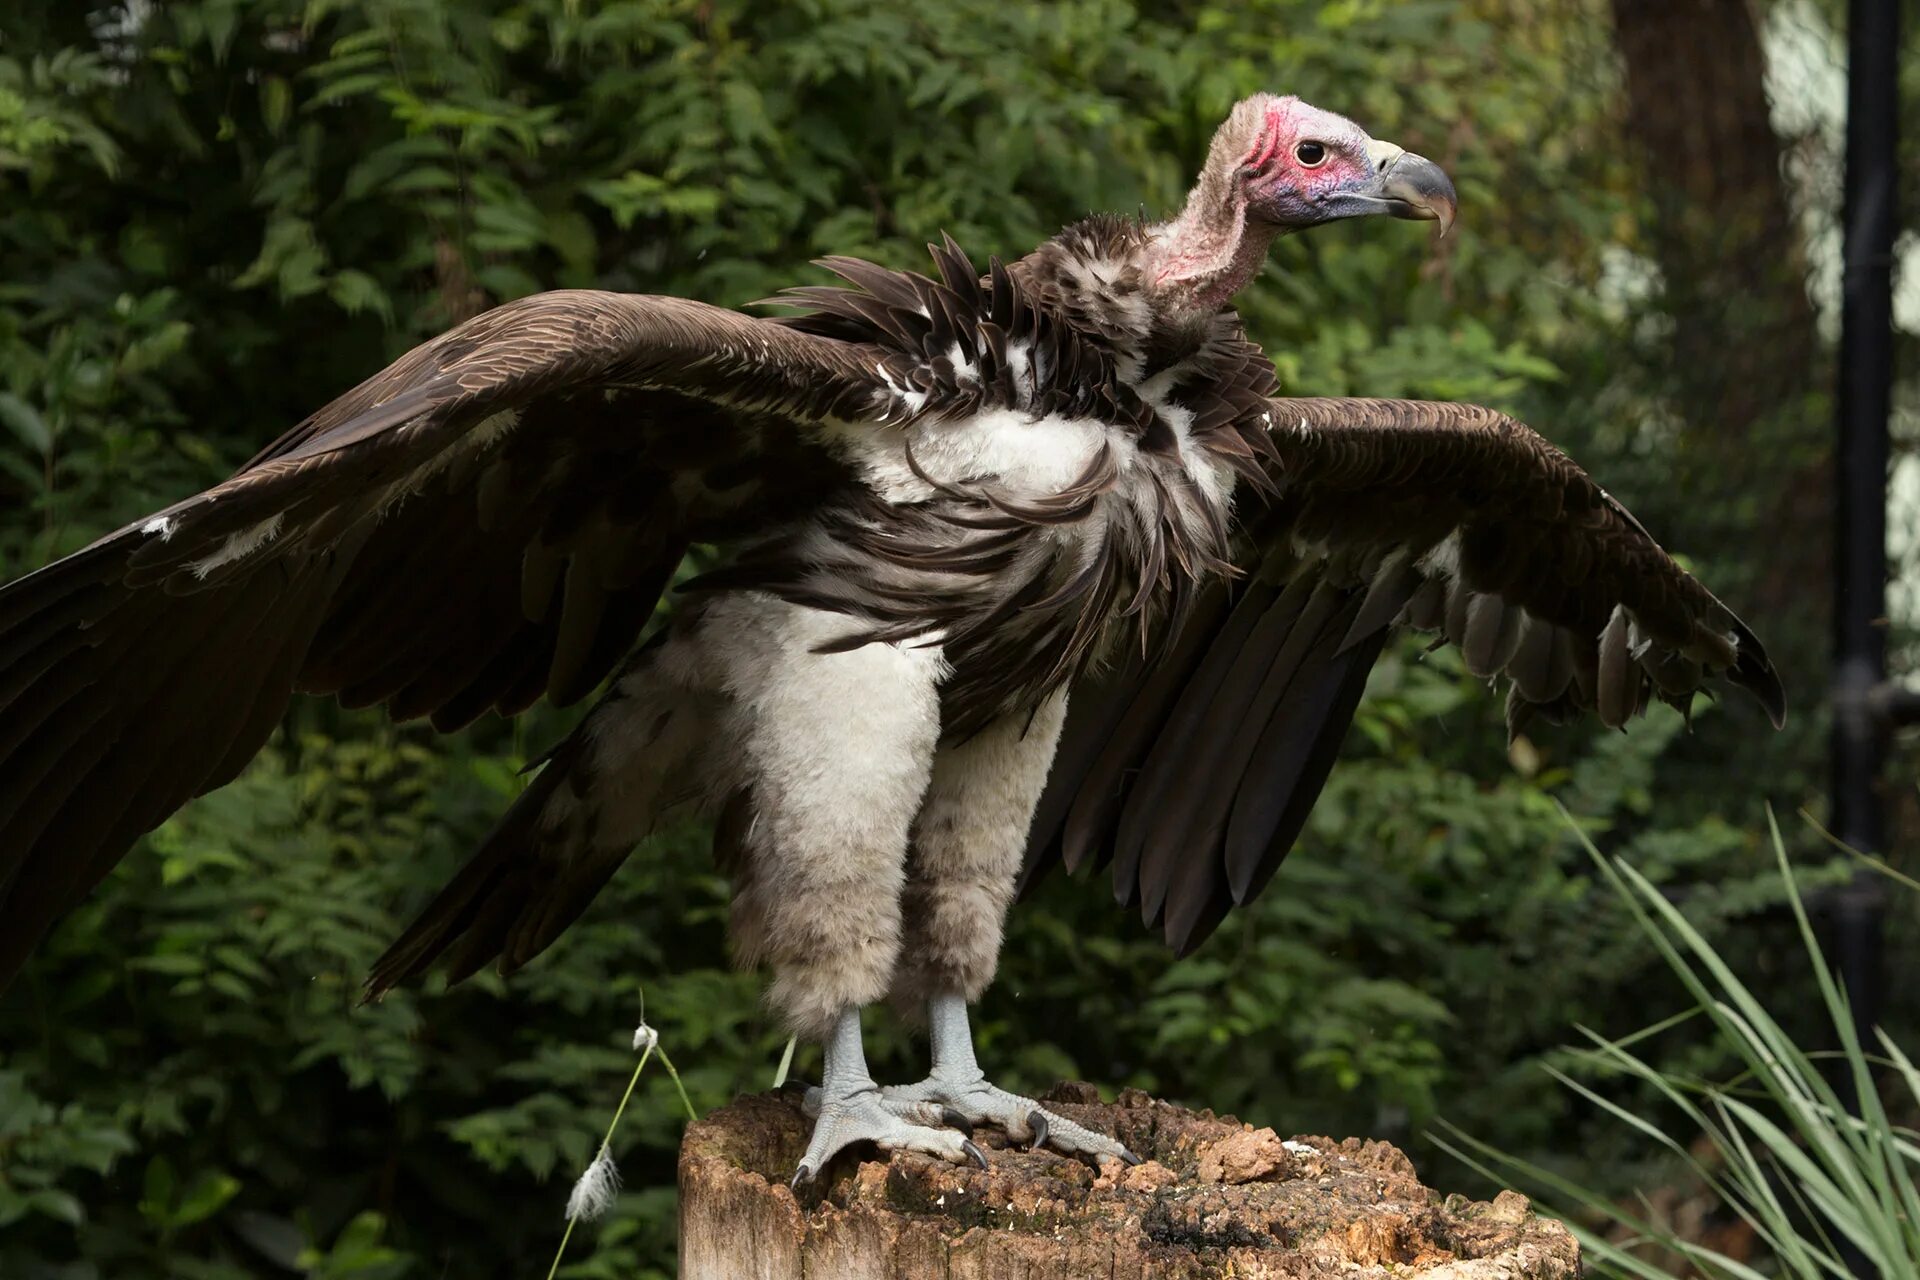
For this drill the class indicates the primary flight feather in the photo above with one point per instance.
(1022, 565)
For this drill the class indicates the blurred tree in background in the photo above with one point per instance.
(217, 214)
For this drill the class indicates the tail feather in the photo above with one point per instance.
(467, 922)
(596, 796)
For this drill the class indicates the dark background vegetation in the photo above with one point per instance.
(217, 214)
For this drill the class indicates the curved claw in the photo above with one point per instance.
(954, 1120)
(1037, 1121)
(794, 1084)
(973, 1153)
(1129, 1157)
(801, 1177)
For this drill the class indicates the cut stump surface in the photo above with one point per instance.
(1214, 1199)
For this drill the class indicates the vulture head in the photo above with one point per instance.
(1278, 165)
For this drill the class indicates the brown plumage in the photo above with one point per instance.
(493, 519)
(1450, 518)
(396, 570)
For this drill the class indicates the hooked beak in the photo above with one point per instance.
(1411, 186)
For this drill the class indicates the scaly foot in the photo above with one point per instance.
(864, 1116)
(957, 1093)
(977, 1101)
(848, 1109)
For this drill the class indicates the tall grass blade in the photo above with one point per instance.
(1787, 1156)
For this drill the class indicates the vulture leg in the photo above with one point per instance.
(958, 1090)
(963, 862)
(968, 841)
(848, 1108)
(835, 749)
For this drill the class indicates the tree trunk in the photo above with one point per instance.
(1215, 1198)
(1724, 233)
(1743, 354)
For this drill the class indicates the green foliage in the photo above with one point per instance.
(218, 214)
(1780, 1145)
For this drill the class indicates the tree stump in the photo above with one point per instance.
(1214, 1198)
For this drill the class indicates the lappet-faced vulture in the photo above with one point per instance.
(944, 503)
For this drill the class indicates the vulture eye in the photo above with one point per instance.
(1310, 154)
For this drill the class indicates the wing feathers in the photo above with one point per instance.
(582, 606)
(441, 539)
(469, 920)
(1110, 725)
(1492, 635)
(1445, 518)
(1183, 728)
(1190, 812)
(266, 703)
(1393, 585)
(493, 518)
(1291, 764)
(528, 881)
(1617, 690)
(96, 752)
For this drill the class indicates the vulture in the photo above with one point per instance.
(1014, 568)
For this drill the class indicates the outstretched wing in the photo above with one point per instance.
(488, 521)
(1194, 778)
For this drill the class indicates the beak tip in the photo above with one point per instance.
(1422, 189)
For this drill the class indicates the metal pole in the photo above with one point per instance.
(1864, 401)
(1860, 507)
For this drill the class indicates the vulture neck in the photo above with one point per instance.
(1198, 261)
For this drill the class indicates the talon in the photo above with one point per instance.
(794, 1084)
(1129, 1157)
(1037, 1121)
(852, 1109)
(954, 1120)
(801, 1177)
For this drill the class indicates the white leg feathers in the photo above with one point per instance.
(968, 841)
(837, 750)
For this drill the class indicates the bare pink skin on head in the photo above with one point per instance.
(1277, 168)
(1279, 165)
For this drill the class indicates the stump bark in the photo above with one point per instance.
(1215, 1198)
